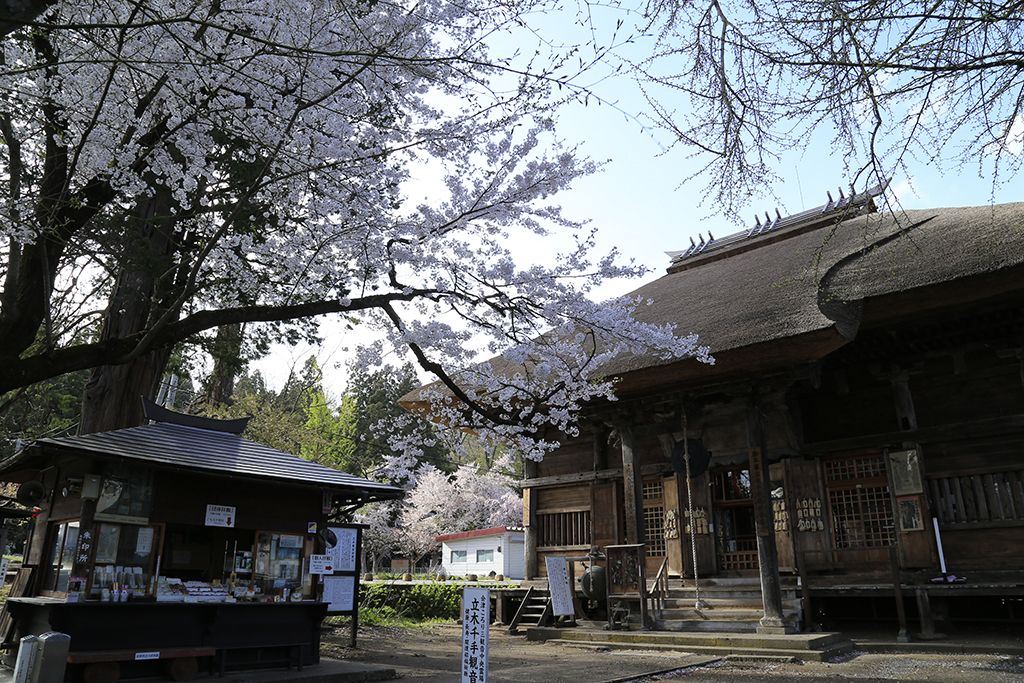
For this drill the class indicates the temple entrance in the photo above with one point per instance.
(662, 525)
(735, 534)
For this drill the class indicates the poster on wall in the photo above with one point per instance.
(126, 495)
(340, 593)
(909, 508)
(906, 473)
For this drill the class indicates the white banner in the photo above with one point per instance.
(476, 630)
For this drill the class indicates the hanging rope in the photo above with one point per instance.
(693, 522)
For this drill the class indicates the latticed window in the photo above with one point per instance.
(858, 492)
(653, 490)
(865, 467)
(654, 528)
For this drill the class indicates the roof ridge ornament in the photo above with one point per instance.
(863, 202)
(157, 413)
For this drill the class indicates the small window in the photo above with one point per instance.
(61, 558)
(485, 556)
(458, 556)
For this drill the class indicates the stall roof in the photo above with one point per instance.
(219, 453)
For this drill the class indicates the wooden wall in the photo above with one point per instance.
(181, 498)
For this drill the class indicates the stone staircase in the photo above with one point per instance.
(733, 605)
(725, 625)
(817, 647)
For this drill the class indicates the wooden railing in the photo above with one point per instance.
(563, 529)
(659, 592)
(978, 498)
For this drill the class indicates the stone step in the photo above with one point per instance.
(719, 614)
(716, 602)
(706, 626)
(726, 592)
(802, 646)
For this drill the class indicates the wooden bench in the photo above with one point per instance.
(101, 666)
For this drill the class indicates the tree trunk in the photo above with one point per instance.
(227, 362)
(113, 394)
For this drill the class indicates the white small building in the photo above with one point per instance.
(501, 550)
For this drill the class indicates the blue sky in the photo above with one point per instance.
(642, 204)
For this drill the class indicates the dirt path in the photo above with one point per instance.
(431, 655)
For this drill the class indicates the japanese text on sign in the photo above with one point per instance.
(339, 593)
(476, 625)
(220, 515)
(559, 586)
(320, 564)
(343, 552)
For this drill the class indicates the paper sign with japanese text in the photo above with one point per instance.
(220, 515)
(320, 564)
(559, 586)
(476, 629)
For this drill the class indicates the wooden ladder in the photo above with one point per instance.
(535, 610)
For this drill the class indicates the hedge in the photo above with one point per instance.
(420, 601)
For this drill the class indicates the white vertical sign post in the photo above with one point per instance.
(476, 629)
(559, 586)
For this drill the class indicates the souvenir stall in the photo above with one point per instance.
(183, 542)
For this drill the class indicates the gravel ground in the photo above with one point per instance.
(431, 655)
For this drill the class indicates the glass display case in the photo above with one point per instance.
(279, 566)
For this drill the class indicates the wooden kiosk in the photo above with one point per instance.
(177, 545)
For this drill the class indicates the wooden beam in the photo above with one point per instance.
(586, 477)
(948, 432)
(530, 521)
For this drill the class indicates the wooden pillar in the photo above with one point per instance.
(600, 448)
(633, 485)
(904, 401)
(530, 521)
(773, 620)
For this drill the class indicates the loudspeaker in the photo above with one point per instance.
(31, 493)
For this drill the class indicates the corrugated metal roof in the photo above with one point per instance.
(493, 531)
(179, 446)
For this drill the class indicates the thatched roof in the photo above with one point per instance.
(818, 280)
(771, 300)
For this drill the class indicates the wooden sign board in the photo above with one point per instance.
(560, 586)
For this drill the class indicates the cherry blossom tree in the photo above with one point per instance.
(176, 167)
(444, 504)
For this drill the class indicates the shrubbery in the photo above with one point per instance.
(419, 602)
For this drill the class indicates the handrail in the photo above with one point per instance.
(520, 612)
(659, 592)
